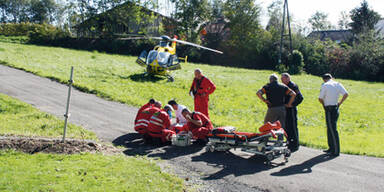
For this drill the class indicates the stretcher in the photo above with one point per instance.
(270, 142)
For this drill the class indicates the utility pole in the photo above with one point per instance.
(283, 34)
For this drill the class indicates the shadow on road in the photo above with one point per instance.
(305, 167)
(232, 164)
(135, 145)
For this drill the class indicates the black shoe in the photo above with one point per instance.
(201, 141)
(293, 149)
(327, 151)
(333, 154)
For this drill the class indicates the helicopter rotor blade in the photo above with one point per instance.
(136, 38)
(196, 45)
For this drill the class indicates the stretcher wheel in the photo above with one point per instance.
(210, 148)
(269, 156)
(287, 153)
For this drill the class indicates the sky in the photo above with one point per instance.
(303, 9)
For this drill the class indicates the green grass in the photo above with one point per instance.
(18, 118)
(82, 172)
(14, 39)
(116, 77)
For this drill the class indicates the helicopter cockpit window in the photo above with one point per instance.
(163, 43)
(151, 56)
(163, 58)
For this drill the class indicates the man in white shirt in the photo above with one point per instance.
(180, 119)
(329, 98)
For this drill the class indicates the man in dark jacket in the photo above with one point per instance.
(276, 93)
(291, 113)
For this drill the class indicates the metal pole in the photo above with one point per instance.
(289, 28)
(282, 33)
(66, 115)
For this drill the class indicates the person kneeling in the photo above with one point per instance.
(142, 120)
(159, 125)
(199, 124)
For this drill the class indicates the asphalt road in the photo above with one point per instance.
(307, 170)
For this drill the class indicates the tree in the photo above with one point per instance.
(344, 21)
(363, 18)
(191, 14)
(14, 10)
(243, 16)
(275, 16)
(247, 37)
(42, 11)
(319, 21)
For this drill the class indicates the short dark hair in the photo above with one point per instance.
(327, 76)
(185, 110)
(152, 101)
(172, 102)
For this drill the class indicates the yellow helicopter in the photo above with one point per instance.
(163, 58)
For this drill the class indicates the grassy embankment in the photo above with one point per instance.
(80, 172)
(18, 118)
(118, 78)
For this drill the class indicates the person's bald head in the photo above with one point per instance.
(198, 73)
(273, 78)
(285, 78)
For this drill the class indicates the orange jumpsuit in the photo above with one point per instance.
(142, 119)
(199, 132)
(159, 125)
(201, 90)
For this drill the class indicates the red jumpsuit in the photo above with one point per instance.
(199, 132)
(159, 125)
(142, 109)
(142, 119)
(201, 90)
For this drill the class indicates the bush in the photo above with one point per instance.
(17, 29)
(45, 34)
(295, 62)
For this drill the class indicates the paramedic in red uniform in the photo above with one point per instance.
(149, 104)
(198, 124)
(159, 125)
(201, 88)
(143, 117)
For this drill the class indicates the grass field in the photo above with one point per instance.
(80, 172)
(118, 78)
(18, 118)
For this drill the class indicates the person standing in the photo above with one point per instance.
(275, 101)
(291, 113)
(329, 98)
(201, 88)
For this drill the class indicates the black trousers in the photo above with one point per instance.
(291, 128)
(331, 116)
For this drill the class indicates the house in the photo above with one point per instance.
(122, 20)
(380, 27)
(341, 35)
(217, 28)
(335, 35)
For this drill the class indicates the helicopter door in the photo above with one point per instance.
(142, 58)
(151, 57)
(163, 59)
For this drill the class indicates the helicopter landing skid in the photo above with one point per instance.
(170, 78)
